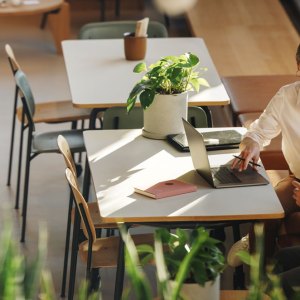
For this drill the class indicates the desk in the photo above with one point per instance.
(100, 77)
(122, 159)
(59, 16)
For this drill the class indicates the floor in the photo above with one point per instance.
(48, 194)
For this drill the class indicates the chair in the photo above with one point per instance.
(48, 112)
(93, 207)
(98, 252)
(118, 118)
(198, 117)
(37, 143)
(116, 29)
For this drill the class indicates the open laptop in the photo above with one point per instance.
(219, 176)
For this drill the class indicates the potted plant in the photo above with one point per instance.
(201, 278)
(188, 264)
(163, 93)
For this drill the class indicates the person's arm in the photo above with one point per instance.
(260, 133)
(267, 126)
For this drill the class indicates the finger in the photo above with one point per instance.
(296, 184)
(246, 162)
(254, 167)
(296, 195)
(236, 163)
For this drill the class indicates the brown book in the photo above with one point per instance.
(167, 188)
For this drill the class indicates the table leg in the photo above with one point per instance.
(59, 22)
(238, 275)
(120, 271)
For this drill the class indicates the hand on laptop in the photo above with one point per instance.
(249, 153)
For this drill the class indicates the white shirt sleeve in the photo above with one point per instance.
(267, 126)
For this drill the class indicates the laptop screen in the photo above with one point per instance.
(198, 151)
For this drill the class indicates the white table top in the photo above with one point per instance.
(99, 76)
(122, 159)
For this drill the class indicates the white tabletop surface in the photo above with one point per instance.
(122, 159)
(99, 75)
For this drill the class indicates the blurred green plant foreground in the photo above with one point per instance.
(22, 280)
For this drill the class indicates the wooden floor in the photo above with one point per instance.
(230, 45)
(246, 37)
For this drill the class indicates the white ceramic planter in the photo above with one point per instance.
(194, 291)
(164, 116)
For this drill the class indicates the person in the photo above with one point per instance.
(282, 115)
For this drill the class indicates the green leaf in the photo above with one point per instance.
(193, 59)
(195, 84)
(140, 67)
(203, 81)
(244, 256)
(139, 281)
(146, 98)
(130, 103)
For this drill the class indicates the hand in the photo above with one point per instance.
(249, 152)
(296, 194)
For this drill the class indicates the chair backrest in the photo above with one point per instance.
(26, 95)
(12, 59)
(64, 149)
(87, 223)
(118, 118)
(116, 30)
(197, 117)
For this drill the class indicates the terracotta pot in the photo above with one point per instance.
(164, 116)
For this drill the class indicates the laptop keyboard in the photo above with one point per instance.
(224, 175)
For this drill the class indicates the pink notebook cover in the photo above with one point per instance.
(167, 189)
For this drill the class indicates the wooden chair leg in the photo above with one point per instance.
(44, 20)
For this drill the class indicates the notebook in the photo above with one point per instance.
(220, 176)
(214, 140)
(167, 188)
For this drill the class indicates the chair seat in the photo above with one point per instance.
(105, 250)
(47, 142)
(56, 112)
